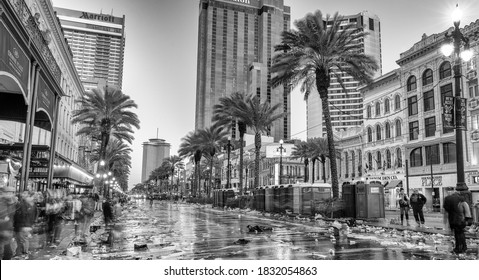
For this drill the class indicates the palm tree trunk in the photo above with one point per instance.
(312, 170)
(242, 131)
(331, 148)
(306, 170)
(257, 144)
(211, 176)
(324, 169)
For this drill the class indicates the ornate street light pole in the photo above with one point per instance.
(458, 41)
(228, 168)
(280, 160)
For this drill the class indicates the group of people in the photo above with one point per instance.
(45, 213)
(457, 214)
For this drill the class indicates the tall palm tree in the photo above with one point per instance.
(212, 139)
(190, 147)
(313, 54)
(259, 117)
(172, 162)
(224, 114)
(302, 151)
(106, 113)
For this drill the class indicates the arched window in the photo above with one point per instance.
(398, 128)
(388, 159)
(360, 163)
(378, 159)
(370, 135)
(386, 105)
(378, 109)
(427, 78)
(411, 83)
(378, 132)
(445, 70)
(416, 157)
(397, 102)
(387, 131)
(346, 163)
(398, 157)
(370, 161)
(368, 111)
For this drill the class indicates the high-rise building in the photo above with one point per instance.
(97, 42)
(236, 40)
(346, 106)
(154, 152)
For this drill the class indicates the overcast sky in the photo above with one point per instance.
(161, 49)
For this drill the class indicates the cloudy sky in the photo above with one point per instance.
(161, 50)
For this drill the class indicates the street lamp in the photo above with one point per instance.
(280, 160)
(228, 169)
(458, 40)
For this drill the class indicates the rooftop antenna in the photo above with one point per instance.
(101, 11)
(111, 11)
(157, 132)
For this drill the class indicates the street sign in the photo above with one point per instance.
(448, 112)
(461, 105)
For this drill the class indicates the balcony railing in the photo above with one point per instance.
(28, 21)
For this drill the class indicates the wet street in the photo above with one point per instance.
(180, 231)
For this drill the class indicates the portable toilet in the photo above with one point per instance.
(297, 198)
(288, 198)
(276, 196)
(349, 198)
(261, 198)
(370, 201)
(268, 199)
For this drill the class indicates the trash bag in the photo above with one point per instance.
(74, 251)
(241, 242)
(140, 247)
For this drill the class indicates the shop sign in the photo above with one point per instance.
(448, 112)
(475, 135)
(473, 103)
(46, 98)
(386, 177)
(38, 171)
(375, 190)
(426, 181)
(13, 59)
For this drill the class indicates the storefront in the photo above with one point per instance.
(392, 184)
(434, 190)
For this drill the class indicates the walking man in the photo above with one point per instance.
(417, 201)
(453, 204)
(403, 206)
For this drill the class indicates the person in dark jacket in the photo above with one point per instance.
(107, 212)
(403, 206)
(417, 202)
(23, 220)
(456, 220)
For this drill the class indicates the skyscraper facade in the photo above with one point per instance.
(236, 40)
(154, 152)
(346, 106)
(97, 42)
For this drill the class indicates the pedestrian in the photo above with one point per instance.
(54, 210)
(87, 211)
(417, 201)
(458, 216)
(107, 212)
(97, 200)
(23, 223)
(403, 206)
(7, 212)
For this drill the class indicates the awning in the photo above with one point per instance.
(394, 184)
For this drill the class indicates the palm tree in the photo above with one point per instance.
(190, 147)
(319, 150)
(160, 173)
(212, 139)
(302, 151)
(106, 113)
(259, 117)
(172, 162)
(224, 114)
(321, 49)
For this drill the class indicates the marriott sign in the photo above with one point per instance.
(106, 18)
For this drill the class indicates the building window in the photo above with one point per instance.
(371, 24)
(398, 157)
(386, 105)
(430, 126)
(416, 157)
(370, 161)
(473, 91)
(370, 135)
(353, 164)
(388, 159)
(398, 128)
(449, 152)
(378, 109)
(428, 100)
(412, 105)
(445, 70)
(378, 132)
(397, 102)
(413, 130)
(378, 159)
(411, 83)
(432, 154)
(387, 130)
(368, 111)
(346, 161)
(427, 77)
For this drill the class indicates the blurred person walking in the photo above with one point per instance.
(107, 212)
(403, 206)
(458, 217)
(7, 211)
(87, 212)
(54, 210)
(417, 201)
(23, 221)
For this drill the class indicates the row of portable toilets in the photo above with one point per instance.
(360, 200)
(298, 199)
